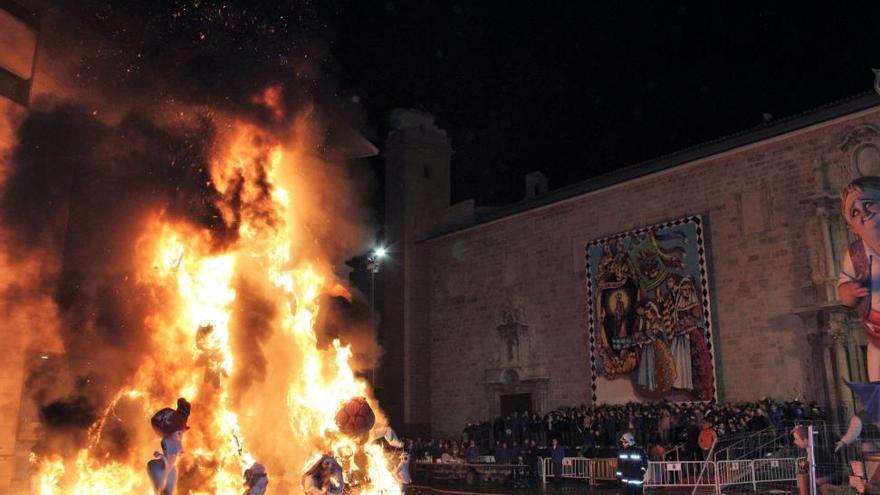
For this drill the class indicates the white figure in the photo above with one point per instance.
(170, 423)
(256, 480)
(401, 474)
(163, 469)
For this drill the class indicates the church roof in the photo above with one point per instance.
(837, 109)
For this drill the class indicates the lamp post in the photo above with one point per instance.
(373, 262)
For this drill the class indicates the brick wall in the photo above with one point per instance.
(753, 202)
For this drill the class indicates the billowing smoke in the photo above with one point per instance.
(349, 321)
(252, 326)
(80, 191)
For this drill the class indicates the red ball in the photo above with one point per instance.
(355, 417)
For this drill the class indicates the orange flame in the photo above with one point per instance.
(282, 420)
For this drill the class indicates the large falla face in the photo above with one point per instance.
(862, 213)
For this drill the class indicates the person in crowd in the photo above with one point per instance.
(437, 450)
(472, 453)
(501, 453)
(549, 430)
(535, 427)
(498, 428)
(513, 453)
(589, 428)
(588, 442)
(574, 430)
(706, 439)
(532, 459)
(664, 423)
(523, 427)
(557, 453)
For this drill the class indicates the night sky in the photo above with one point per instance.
(577, 89)
(574, 89)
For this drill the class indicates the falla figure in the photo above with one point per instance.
(859, 280)
(324, 477)
(859, 287)
(170, 424)
(256, 481)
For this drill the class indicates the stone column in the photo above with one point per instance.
(838, 354)
(837, 330)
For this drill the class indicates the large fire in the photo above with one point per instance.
(283, 420)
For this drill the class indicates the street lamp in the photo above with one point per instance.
(373, 262)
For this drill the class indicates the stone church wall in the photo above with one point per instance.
(527, 272)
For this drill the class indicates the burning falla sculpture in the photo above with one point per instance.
(324, 476)
(256, 480)
(192, 335)
(355, 419)
(170, 425)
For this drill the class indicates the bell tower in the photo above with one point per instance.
(417, 193)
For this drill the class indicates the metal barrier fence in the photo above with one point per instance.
(769, 441)
(720, 474)
(754, 472)
(583, 468)
(603, 469)
(680, 474)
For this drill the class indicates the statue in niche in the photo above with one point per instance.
(510, 331)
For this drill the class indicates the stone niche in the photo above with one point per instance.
(517, 366)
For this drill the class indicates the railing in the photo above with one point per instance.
(747, 444)
(683, 474)
(720, 474)
(774, 440)
(603, 470)
(582, 468)
(680, 474)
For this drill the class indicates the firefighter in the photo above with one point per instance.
(632, 462)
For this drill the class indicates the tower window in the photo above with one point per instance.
(426, 171)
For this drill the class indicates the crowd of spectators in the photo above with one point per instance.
(586, 430)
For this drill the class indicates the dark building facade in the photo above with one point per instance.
(488, 310)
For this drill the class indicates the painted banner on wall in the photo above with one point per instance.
(649, 315)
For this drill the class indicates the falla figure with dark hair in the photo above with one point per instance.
(170, 424)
